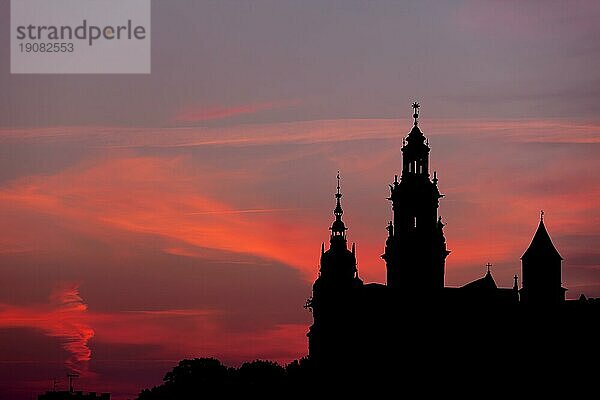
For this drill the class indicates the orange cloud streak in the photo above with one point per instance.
(65, 317)
(151, 196)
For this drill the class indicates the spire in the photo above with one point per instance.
(541, 244)
(516, 285)
(416, 106)
(338, 229)
(488, 265)
(338, 206)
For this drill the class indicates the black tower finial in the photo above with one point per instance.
(338, 229)
(338, 195)
(416, 106)
(541, 215)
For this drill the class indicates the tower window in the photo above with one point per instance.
(414, 222)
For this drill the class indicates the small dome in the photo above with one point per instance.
(338, 226)
(339, 262)
(485, 283)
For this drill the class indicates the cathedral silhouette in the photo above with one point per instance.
(415, 320)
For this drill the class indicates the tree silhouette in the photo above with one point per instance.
(208, 378)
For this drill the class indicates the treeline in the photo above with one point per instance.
(208, 377)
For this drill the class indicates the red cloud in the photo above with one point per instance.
(65, 317)
(152, 196)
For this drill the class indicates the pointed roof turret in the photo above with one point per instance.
(541, 244)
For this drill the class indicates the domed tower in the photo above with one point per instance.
(542, 270)
(415, 251)
(335, 292)
(338, 264)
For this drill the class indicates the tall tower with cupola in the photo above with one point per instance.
(335, 296)
(415, 250)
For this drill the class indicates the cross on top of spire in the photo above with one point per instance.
(416, 106)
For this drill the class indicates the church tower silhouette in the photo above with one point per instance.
(334, 301)
(541, 265)
(365, 324)
(415, 250)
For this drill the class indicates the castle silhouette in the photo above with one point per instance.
(414, 336)
(415, 320)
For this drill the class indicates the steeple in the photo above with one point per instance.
(541, 244)
(338, 229)
(542, 270)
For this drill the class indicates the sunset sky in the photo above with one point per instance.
(149, 218)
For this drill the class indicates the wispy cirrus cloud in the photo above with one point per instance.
(208, 113)
(307, 132)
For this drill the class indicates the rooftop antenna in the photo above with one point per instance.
(71, 377)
